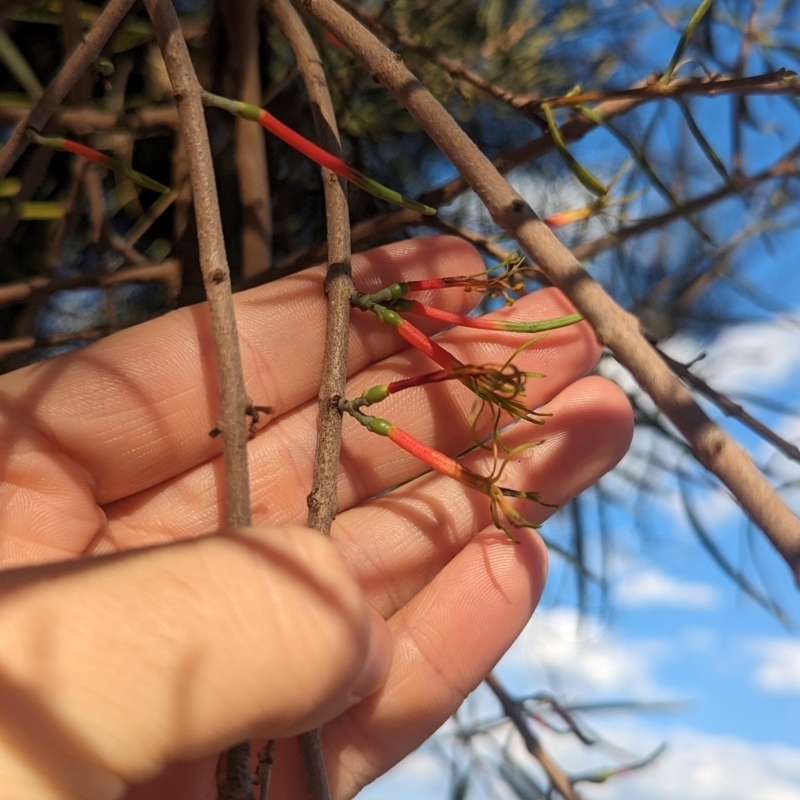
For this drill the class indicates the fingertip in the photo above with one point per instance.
(523, 562)
(610, 406)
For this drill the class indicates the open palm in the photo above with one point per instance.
(130, 672)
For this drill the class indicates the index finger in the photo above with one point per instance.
(135, 409)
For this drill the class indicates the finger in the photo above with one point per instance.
(448, 637)
(397, 543)
(445, 642)
(262, 632)
(136, 408)
(282, 455)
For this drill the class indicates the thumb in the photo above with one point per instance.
(112, 668)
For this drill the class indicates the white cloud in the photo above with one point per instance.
(695, 765)
(652, 587)
(566, 652)
(754, 354)
(704, 766)
(779, 670)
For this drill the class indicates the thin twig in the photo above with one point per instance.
(22, 344)
(265, 763)
(322, 500)
(452, 66)
(338, 283)
(234, 402)
(31, 178)
(615, 327)
(241, 22)
(363, 233)
(376, 228)
(167, 272)
(366, 233)
(71, 32)
(778, 82)
(783, 168)
(481, 242)
(730, 408)
(83, 120)
(515, 711)
(77, 63)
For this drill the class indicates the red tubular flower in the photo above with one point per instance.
(568, 217)
(89, 153)
(314, 151)
(504, 515)
(416, 338)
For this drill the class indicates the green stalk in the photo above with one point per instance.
(683, 42)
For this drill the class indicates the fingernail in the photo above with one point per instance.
(379, 658)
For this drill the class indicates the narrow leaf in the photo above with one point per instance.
(18, 66)
(593, 184)
(89, 153)
(644, 165)
(313, 151)
(702, 142)
(686, 36)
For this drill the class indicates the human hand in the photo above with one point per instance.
(125, 674)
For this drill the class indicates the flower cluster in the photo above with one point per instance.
(499, 387)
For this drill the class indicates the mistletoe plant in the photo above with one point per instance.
(498, 387)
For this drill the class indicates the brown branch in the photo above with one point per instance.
(77, 63)
(515, 711)
(338, 283)
(572, 130)
(71, 31)
(67, 225)
(368, 231)
(21, 344)
(376, 228)
(322, 499)
(233, 399)
(241, 22)
(615, 327)
(234, 403)
(771, 82)
(492, 249)
(81, 121)
(264, 769)
(33, 174)
(168, 273)
(362, 234)
(143, 224)
(730, 408)
(777, 82)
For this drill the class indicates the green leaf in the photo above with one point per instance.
(686, 36)
(593, 184)
(17, 65)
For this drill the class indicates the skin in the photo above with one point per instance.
(135, 646)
